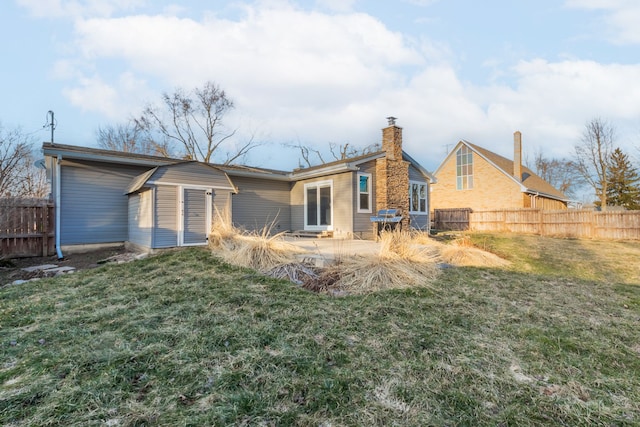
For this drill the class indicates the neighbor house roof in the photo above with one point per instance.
(530, 183)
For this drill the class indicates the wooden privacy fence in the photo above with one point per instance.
(620, 225)
(451, 219)
(27, 228)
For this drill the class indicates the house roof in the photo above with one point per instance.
(531, 183)
(338, 166)
(352, 163)
(98, 154)
(139, 181)
(143, 179)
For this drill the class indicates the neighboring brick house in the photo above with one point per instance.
(476, 178)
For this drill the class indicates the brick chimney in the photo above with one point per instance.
(392, 173)
(392, 140)
(517, 155)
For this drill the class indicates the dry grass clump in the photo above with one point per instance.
(325, 281)
(408, 246)
(223, 234)
(462, 253)
(260, 251)
(423, 238)
(365, 274)
(297, 273)
(399, 264)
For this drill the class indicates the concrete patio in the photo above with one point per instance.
(330, 249)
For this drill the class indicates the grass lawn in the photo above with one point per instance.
(184, 339)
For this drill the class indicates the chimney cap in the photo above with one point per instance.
(391, 120)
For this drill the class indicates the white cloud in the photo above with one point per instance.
(319, 77)
(78, 8)
(284, 59)
(552, 101)
(337, 5)
(621, 16)
(115, 100)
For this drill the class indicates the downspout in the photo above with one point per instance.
(57, 173)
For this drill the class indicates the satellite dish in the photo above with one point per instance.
(40, 164)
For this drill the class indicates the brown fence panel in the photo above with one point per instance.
(451, 219)
(568, 223)
(26, 228)
(522, 221)
(486, 221)
(622, 225)
(619, 225)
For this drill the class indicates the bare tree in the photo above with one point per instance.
(592, 156)
(129, 138)
(19, 177)
(311, 156)
(194, 120)
(560, 173)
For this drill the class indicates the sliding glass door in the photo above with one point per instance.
(318, 206)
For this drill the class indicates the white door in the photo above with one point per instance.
(196, 216)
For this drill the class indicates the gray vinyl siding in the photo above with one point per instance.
(419, 221)
(165, 217)
(140, 218)
(93, 206)
(261, 203)
(362, 221)
(342, 203)
(191, 173)
(221, 203)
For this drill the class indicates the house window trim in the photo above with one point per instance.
(318, 184)
(426, 198)
(369, 193)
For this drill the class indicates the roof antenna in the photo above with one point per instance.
(51, 122)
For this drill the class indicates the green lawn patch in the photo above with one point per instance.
(184, 339)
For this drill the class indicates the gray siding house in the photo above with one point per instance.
(108, 197)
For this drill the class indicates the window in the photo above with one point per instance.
(464, 168)
(364, 192)
(417, 197)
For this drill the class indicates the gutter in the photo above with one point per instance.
(57, 174)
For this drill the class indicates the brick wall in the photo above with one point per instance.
(491, 188)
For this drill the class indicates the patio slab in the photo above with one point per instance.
(330, 249)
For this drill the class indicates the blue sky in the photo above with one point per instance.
(314, 72)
